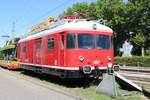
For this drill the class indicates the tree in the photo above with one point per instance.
(94, 12)
(139, 40)
(133, 16)
(79, 8)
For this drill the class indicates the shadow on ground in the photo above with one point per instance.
(71, 83)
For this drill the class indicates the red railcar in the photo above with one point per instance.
(68, 48)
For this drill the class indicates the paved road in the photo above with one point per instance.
(14, 88)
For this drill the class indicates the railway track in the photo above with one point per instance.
(141, 77)
(136, 69)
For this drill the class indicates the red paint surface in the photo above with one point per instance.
(63, 57)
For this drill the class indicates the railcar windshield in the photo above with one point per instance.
(85, 41)
(103, 42)
(71, 41)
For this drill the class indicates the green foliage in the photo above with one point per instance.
(123, 18)
(133, 61)
(69, 11)
(1, 58)
(139, 39)
(79, 8)
(147, 53)
(94, 12)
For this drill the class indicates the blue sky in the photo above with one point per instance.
(27, 13)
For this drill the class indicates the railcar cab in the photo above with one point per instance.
(87, 53)
(69, 48)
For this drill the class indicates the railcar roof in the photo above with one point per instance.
(81, 25)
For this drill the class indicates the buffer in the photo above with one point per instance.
(108, 85)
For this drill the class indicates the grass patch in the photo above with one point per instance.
(90, 93)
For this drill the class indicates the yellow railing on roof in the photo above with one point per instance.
(41, 26)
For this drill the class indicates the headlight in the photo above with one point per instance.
(109, 58)
(87, 69)
(110, 65)
(81, 58)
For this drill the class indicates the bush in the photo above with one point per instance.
(133, 61)
(147, 52)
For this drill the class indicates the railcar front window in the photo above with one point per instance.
(103, 42)
(71, 41)
(85, 41)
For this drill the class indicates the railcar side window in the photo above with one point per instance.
(62, 41)
(24, 47)
(71, 41)
(38, 44)
(85, 41)
(103, 41)
(50, 43)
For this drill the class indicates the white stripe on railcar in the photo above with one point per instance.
(59, 67)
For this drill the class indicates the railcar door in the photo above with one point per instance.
(62, 50)
(51, 56)
(23, 50)
(37, 49)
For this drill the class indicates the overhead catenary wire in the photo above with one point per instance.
(48, 12)
(52, 10)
